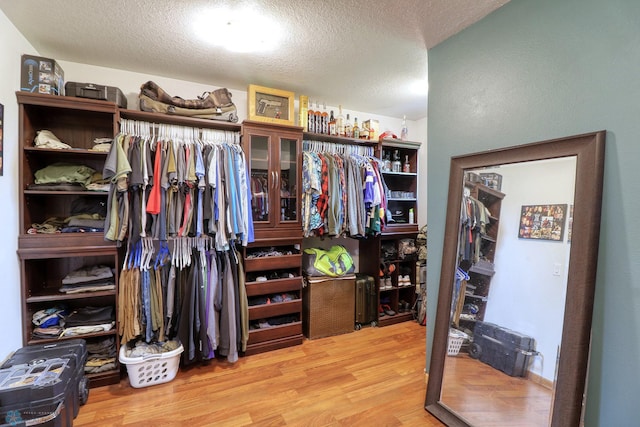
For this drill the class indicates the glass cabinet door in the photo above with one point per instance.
(259, 178)
(274, 155)
(288, 180)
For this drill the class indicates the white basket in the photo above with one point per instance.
(151, 369)
(456, 338)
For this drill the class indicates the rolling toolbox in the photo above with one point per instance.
(504, 349)
(94, 91)
(44, 384)
(366, 301)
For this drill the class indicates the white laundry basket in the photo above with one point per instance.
(151, 369)
(456, 338)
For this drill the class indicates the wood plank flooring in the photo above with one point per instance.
(486, 396)
(371, 377)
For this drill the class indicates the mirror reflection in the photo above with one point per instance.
(509, 294)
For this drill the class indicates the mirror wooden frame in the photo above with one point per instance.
(570, 384)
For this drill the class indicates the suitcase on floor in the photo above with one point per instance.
(44, 384)
(366, 301)
(504, 349)
(94, 91)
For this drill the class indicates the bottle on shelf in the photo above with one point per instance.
(356, 128)
(348, 130)
(406, 166)
(340, 121)
(324, 120)
(404, 132)
(318, 119)
(411, 216)
(332, 124)
(387, 162)
(311, 118)
(396, 165)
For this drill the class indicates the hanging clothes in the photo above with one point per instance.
(164, 176)
(180, 198)
(474, 218)
(185, 289)
(343, 190)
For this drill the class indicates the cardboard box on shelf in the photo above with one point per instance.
(41, 75)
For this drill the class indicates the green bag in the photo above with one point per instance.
(334, 262)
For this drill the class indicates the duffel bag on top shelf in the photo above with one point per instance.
(215, 105)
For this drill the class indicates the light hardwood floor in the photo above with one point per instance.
(485, 395)
(371, 377)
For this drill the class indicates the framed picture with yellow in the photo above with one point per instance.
(271, 105)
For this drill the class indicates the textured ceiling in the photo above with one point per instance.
(368, 55)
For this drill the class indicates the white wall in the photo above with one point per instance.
(130, 82)
(12, 46)
(525, 294)
(420, 134)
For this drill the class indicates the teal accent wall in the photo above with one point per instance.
(535, 70)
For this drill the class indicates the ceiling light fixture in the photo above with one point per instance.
(238, 30)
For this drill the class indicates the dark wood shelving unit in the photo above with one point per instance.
(275, 336)
(481, 273)
(273, 155)
(45, 259)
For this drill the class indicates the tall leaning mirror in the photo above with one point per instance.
(512, 333)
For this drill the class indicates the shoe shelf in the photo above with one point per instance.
(398, 280)
(395, 276)
(273, 281)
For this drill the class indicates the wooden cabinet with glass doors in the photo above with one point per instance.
(273, 155)
(273, 152)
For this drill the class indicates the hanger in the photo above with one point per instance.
(162, 256)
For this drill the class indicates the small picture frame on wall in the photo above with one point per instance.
(543, 222)
(271, 105)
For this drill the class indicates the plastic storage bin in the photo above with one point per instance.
(152, 369)
(44, 384)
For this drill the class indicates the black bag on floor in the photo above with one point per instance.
(504, 349)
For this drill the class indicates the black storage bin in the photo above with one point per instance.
(94, 91)
(44, 384)
(504, 349)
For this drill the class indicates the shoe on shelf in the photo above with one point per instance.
(401, 306)
(387, 310)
